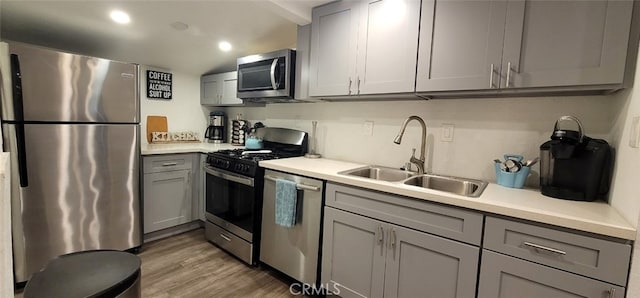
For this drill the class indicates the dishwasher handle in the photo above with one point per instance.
(299, 186)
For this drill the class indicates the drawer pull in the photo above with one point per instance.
(540, 247)
(612, 293)
(169, 164)
(380, 235)
(225, 237)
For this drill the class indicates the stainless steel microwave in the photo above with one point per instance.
(267, 76)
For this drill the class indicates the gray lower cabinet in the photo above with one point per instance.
(521, 259)
(364, 257)
(168, 191)
(503, 276)
(377, 244)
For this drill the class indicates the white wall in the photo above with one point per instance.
(624, 193)
(183, 111)
(485, 129)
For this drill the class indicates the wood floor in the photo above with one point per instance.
(186, 265)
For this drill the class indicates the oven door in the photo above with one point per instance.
(230, 201)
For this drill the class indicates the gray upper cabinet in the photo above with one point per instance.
(460, 45)
(565, 43)
(516, 44)
(220, 89)
(364, 47)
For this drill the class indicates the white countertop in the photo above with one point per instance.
(530, 204)
(151, 149)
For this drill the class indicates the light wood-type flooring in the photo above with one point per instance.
(186, 265)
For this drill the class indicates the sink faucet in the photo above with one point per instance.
(418, 162)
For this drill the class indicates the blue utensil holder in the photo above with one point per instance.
(513, 180)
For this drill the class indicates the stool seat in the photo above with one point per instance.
(95, 273)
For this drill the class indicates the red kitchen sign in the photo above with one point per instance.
(159, 84)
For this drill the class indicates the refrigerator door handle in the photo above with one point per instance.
(18, 114)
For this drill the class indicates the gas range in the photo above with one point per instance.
(241, 161)
(234, 186)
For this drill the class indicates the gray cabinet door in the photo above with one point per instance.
(167, 199)
(387, 46)
(334, 31)
(210, 86)
(229, 89)
(353, 254)
(565, 43)
(460, 45)
(505, 277)
(423, 265)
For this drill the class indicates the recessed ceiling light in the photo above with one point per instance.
(179, 26)
(224, 46)
(120, 17)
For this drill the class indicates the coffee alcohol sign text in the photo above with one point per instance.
(159, 84)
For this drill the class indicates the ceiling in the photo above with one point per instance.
(150, 38)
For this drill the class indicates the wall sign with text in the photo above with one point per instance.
(159, 84)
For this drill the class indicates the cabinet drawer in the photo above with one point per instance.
(171, 162)
(601, 259)
(449, 222)
(505, 277)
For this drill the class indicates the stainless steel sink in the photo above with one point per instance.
(454, 185)
(379, 173)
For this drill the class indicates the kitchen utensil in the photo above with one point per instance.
(531, 162)
(156, 123)
(314, 141)
(511, 172)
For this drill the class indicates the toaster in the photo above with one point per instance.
(574, 166)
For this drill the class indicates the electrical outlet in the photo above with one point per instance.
(367, 128)
(447, 132)
(634, 136)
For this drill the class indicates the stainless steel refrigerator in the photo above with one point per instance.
(71, 124)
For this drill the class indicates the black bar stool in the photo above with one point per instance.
(95, 273)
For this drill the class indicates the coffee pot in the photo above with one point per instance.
(216, 132)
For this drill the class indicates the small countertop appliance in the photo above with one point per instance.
(216, 132)
(574, 166)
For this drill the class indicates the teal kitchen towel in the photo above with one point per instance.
(286, 201)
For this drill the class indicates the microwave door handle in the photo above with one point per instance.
(274, 65)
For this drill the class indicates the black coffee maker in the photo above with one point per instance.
(574, 166)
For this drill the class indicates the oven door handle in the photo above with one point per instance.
(230, 177)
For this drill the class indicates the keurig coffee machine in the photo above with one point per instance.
(216, 132)
(574, 166)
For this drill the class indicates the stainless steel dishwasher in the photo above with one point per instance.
(293, 251)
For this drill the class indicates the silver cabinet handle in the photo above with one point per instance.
(229, 176)
(169, 164)
(350, 85)
(274, 84)
(508, 73)
(540, 247)
(380, 234)
(358, 84)
(393, 238)
(299, 186)
(225, 237)
(491, 76)
(612, 293)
